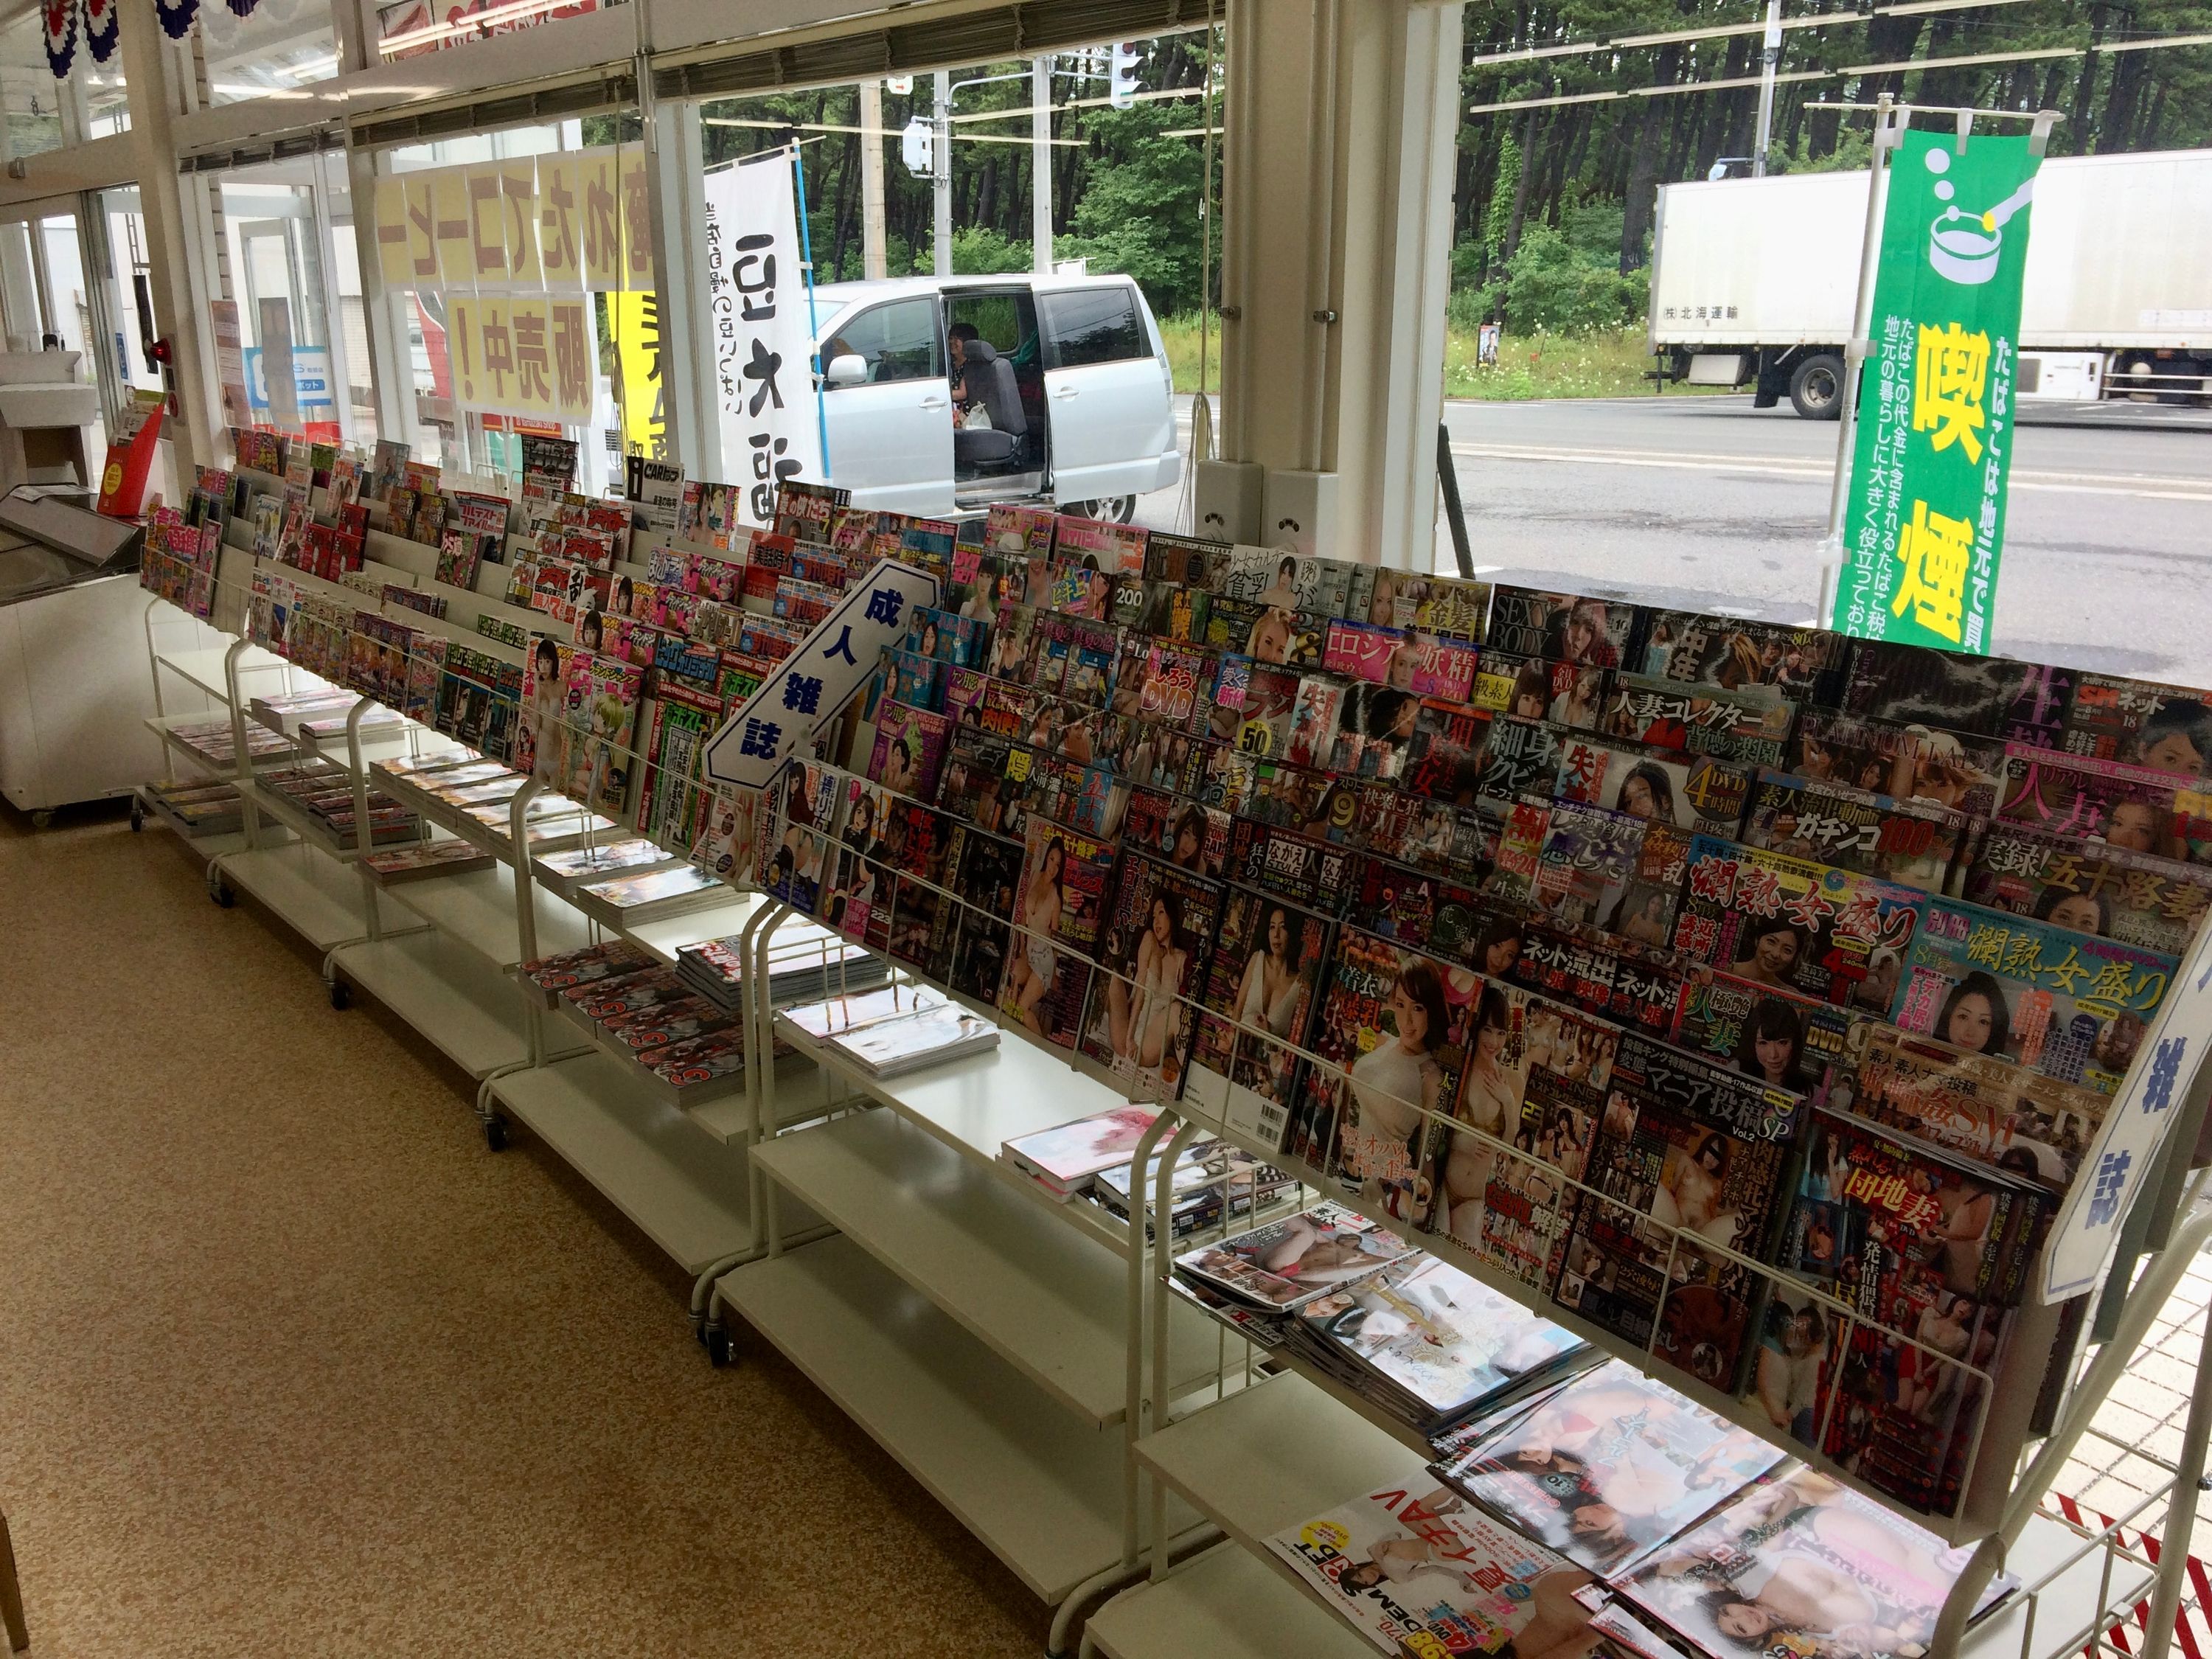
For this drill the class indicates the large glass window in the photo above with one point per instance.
(45, 114)
(286, 262)
(517, 268)
(283, 44)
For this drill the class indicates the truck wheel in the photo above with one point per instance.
(1816, 387)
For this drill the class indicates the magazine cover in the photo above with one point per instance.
(541, 743)
(1916, 686)
(803, 828)
(1397, 1024)
(1425, 1337)
(1609, 871)
(1916, 843)
(1065, 1157)
(859, 876)
(1262, 975)
(2165, 728)
(1186, 834)
(2006, 1115)
(1139, 1024)
(1831, 934)
(1436, 915)
(1560, 627)
(1521, 757)
(1446, 758)
(1287, 1263)
(1420, 1570)
(2091, 887)
(1609, 1467)
(1763, 1031)
(1892, 758)
(1462, 1167)
(925, 920)
(1803, 664)
(2128, 808)
(600, 748)
(1317, 875)
(989, 881)
(909, 749)
(1614, 977)
(1686, 1153)
(1750, 725)
(1690, 792)
(2066, 1003)
(1810, 1567)
(1058, 916)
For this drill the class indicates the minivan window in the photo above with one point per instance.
(897, 340)
(1094, 325)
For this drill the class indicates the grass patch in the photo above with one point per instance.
(1610, 364)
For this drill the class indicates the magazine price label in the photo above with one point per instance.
(812, 686)
(2118, 1162)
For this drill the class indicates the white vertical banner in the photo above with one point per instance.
(756, 301)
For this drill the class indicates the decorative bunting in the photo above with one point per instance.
(242, 8)
(59, 19)
(177, 16)
(100, 18)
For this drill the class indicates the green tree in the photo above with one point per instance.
(1140, 211)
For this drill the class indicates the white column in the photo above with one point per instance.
(179, 313)
(1041, 167)
(1341, 118)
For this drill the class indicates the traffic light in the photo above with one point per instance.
(917, 147)
(1121, 84)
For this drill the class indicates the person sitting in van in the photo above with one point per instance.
(956, 348)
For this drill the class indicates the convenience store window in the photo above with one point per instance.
(283, 44)
(43, 114)
(517, 269)
(286, 260)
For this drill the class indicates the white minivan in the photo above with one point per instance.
(1062, 383)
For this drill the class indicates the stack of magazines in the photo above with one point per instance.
(1210, 1176)
(197, 809)
(907, 1042)
(1430, 1346)
(1065, 1160)
(689, 1049)
(806, 964)
(1280, 1268)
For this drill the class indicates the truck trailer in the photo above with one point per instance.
(1753, 282)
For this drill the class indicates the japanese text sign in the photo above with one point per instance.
(567, 223)
(1925, 512)
(2120, 1160)
(812, 686)
(762, 331)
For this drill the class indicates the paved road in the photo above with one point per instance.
(2107, 549)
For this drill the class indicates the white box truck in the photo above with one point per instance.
(1753, 279)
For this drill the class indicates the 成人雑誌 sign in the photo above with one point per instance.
(1923, 516)
(813, 683)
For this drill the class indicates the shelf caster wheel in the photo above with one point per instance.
(42, 820)
(341, 995)
(718, 1346)
(137, 818)
(220, 893)
(495, 1132)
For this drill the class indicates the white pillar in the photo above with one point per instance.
(179, 313)
(1041, 167)
(875, 259)
(940, 162)
(1341, 119)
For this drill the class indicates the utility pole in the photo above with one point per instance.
(874, 263)
(1041, 168)
(1770, 57)
(942, 165)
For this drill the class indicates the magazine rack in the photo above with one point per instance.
(1260, 1459)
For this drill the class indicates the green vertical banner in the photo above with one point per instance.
(1923, 515)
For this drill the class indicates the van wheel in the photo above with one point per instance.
(1816, 387)
(1110, 509)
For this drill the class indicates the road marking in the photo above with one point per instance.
(1780, 467)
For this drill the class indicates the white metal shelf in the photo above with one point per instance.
(457, 1003)
(314, 894)
(203, 669)
(665, 938)
(727, 1117)
(1043, 1490)
(688, 1193)
(975, 1105)
(1222, 1605)
(1049, 1302)
(478, 908)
